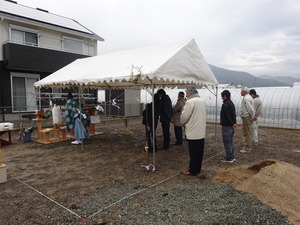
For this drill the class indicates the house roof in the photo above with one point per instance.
(14, 11)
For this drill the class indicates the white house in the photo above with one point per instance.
(33, 44)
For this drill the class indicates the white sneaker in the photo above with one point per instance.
(245, 151)
(228, 161)
(76, 142)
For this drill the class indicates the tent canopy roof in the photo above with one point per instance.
(165, 65)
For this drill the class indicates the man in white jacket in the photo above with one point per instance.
(193, 117)
(257, 108)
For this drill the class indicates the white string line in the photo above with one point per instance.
(117, 124)
(109, 206)
(135, 193)
(213, 156)
(46, 197)
(144, 189)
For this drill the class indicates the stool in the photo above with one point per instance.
(63, 133)
(46, 133)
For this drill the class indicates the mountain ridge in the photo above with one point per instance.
(285, 79)
(240, 78)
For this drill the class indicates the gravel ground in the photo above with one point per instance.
(191, 204)
(181, 204)
(105, 184)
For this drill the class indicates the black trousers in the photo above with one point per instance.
(166, 132)
(178, 134)
(149, 136)
(196, 151)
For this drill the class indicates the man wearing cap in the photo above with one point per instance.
(247, 114)
(257, 108)
(193, 117)
(177, 109)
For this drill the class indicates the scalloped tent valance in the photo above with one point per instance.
(165, 65)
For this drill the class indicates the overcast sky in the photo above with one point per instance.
(255, 36)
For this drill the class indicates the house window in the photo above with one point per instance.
(22, 35)
(72, 45)
(23, 92)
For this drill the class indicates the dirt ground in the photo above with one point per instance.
(46, 181)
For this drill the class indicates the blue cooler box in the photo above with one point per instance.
(26, 137)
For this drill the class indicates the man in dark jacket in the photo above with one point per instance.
(147, 121)
(165, 113)
(228, 122)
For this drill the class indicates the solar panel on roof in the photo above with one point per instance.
(13, 9)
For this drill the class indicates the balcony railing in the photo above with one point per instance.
(32, 58)
(46, 47)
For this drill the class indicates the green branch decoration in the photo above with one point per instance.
(28, 130)
(136, 73)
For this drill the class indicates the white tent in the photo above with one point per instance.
(166, 65)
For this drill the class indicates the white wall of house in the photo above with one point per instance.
(47, 38)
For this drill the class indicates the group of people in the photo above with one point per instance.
(251, 107)
(164, 113)
(189, 113)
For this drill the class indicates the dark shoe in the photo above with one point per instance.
(177, 144)
(151, 150)
(163, 148)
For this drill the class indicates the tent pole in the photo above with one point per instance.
(153, 128)
(216, 114)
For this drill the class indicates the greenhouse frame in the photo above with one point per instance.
(281, 105)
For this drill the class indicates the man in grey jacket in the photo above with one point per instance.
(247, 114)
(193, 117)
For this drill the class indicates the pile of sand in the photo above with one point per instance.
(274, 182)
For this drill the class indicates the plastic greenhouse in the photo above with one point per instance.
(281, 105)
